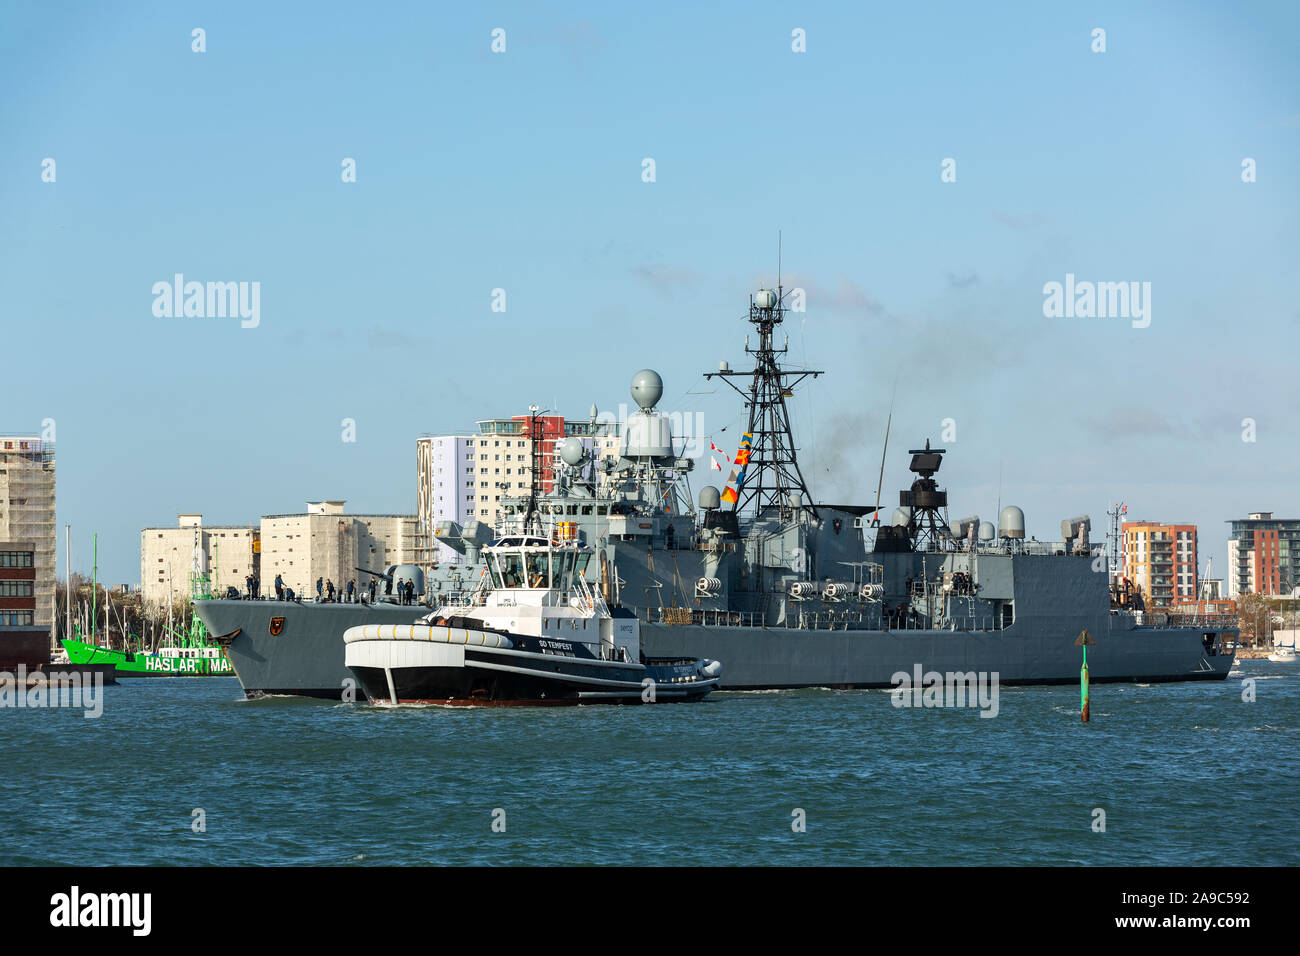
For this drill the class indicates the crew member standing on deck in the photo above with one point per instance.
(373, 584)
(320, 589)
(279, 588)
(329, 591)
(248, 585)
(352, 590)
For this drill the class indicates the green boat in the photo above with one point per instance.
(188, 654)
(183, 661)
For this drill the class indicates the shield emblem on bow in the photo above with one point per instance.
(277, 625)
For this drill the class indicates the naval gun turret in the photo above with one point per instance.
(396, 574)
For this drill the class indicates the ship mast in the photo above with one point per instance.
(532, 523)
(772, 472)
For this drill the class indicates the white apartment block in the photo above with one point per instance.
(169, 557)
(326, 543)
(27, 511)
(444, 491)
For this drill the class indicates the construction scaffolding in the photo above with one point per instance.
(27, 511)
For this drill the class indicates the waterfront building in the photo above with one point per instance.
(1263, 555)
(1161, 560)
(324, 542)
(27, 515)
(444, 491)
(169, 557)
(22, 640)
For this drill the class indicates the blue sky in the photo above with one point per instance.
(522, 171)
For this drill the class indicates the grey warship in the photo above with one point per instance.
(785, 592)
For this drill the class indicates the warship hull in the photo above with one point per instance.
(770, 658)
(306, 658)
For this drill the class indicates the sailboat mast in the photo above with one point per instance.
(67, 572)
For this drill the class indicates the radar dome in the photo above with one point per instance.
(647, 388)
(1011, 522)
(765, 299)
(987, 531)
(571, 450)
(710, 499)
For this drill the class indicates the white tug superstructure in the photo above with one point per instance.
(534, 632)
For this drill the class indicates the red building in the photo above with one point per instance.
(1267, 577)
(1161, 559)
(21, 641)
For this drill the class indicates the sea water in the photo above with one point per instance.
(185, 771)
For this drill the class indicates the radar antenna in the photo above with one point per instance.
(925, 500)
(771, 472)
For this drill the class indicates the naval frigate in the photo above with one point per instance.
(784, 591)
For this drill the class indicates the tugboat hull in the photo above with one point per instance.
(422, 664)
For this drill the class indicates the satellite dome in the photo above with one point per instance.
(1011, 522)
(987, 531)
(647, 388)
(710, 499)
(765, 299)
(571, 450)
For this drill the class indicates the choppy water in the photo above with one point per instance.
(1187, 774)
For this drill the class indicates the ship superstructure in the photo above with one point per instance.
(784, 591)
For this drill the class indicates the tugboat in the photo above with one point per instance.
(533, 632)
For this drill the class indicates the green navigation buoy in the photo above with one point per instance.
(1083, 640)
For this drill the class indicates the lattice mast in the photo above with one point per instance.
(536, 433)
(772, 473)
(925, 500)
